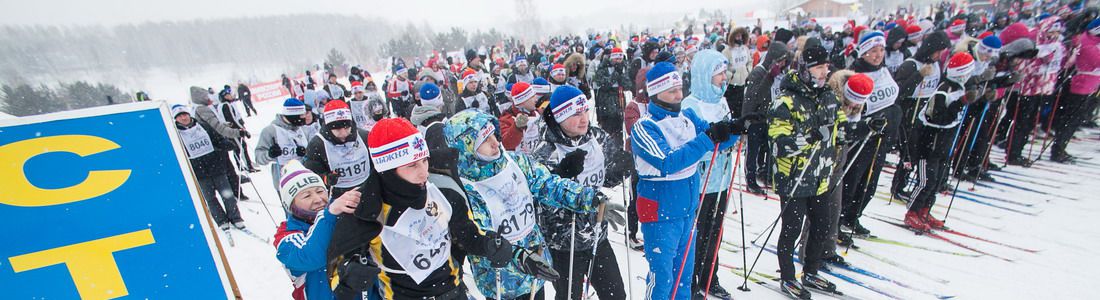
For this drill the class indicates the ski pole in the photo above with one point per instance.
(691, 236)
(572, 249)
(867, 183)
(267, 210)
(744, 254)
(994, 130)
(813, 154)
(722, 219)
(1050, 125)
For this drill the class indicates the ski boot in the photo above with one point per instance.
(931, 221)
(239, 225)
(223, 226)
(794, 290)
(1063, 158)
(635, 244)
(1018, 161)
(915, 220)
(755, 189)
(844, 239)
(816, 282)
(716, 292)
(835, 260)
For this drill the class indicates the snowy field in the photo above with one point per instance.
(1043, 208)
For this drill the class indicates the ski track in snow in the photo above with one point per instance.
(1059, 271)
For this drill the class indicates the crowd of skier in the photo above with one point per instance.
(491, 161)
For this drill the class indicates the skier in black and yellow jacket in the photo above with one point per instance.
(805, 124)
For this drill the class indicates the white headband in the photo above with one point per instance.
(663, 83)
(570, 107)
(399, 153)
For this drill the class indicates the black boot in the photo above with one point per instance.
(811, 280)
(1018, 161)
(753, 188)
(794, 289)
(717, 292)
(1063, 158)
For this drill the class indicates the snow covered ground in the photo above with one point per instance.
(1045, 208)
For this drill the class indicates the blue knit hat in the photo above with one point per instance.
(990, 45)
(429, 94)
(519, 58)
(869, 41)
(540, 85)
(293, 107)
(1094, 27)
(662, 77)
(567, 101)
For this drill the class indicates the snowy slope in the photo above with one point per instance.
(1059, 271)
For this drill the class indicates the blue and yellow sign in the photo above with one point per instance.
(101, 204)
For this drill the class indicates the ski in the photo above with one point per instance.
(874, 275)
(908, 245)
(254, 235)
(841, 277)
(1013, 174)
(986, 203)
(900, 266)
(973, 194)
(962, 234)
(1026, 180)
(937, 236)
(1024, 188)
(229, 238)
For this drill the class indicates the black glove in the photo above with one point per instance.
(357, 274)
(739, 126)
(274, 151)
(332, 177)
(818, 134)
(530, 262)
(720, 131)
(245, 134)
(878, 126)
(498, 250)
(404, 93)
(300, 151)
(571, 165)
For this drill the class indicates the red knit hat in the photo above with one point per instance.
(960, 66)
(858, 88)
(913, 31)
(394, 142)
(985, 34)
(617, 52)
(556, 69)
(356, 86)
(957, 26)
(336, 110)
(521, 92)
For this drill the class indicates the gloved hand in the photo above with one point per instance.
(498, 250)
(720, 131)
(531, 262)
(274, 151)
(740, 126)
(613, 214)
(300, 151)
(571, 165)
(877, 126)
(521, 121)
(927, 70)
(357, 274)
(245, 134)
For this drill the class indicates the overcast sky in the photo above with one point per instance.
(462, 13)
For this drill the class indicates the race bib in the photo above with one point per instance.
(510, 202)
(196, 141)
(420, 240)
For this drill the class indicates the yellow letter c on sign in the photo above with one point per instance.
(18, 191)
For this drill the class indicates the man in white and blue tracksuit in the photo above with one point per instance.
(669, 145)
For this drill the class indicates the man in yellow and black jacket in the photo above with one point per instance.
(805, 123)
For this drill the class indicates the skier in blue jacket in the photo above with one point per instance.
(301, 242)
(669, 145)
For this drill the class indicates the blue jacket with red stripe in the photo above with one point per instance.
(668, 147)
(301, 248)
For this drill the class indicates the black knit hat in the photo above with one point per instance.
(814, 55)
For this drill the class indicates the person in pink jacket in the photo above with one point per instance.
(1036, 88)
(1085, 58)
